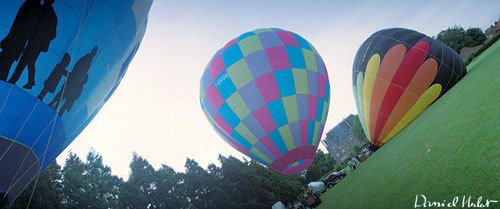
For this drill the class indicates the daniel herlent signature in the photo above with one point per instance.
(421, 201)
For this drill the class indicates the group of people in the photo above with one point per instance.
(32, 31)
(73, 87)
(34, 27)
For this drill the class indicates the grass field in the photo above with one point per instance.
(452, 149)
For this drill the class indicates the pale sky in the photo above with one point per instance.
(156, 110)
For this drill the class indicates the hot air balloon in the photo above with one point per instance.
(59, 62)
(397, 74)
(267, 94)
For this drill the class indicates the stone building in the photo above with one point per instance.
(340, 141)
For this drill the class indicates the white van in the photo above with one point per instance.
(317, 187)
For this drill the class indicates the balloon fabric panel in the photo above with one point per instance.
(267, 94)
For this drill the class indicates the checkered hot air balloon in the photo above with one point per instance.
(397, 74)
(267, 94)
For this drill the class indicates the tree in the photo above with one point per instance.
(456, 37)
(453, 37)
(322, 164)
(357, 149)
(48, 191)
(74, 186)
(138, 190)
(89, 184)
(202, 189)
(167, 194)
(474, 37)
(357, 130)
(102, 186)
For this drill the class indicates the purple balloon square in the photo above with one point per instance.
(251, 95)
(269, 39)
(303, 106)
(312, 79)
(258, 63)
(254, 126)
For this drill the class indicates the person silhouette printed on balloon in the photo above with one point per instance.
(55, 76)
(73, 95)
(22, 29)
(39, 42)
(77, 78)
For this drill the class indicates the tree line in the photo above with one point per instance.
(234, 184)
(457, 37)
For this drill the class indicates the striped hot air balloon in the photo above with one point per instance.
(397, 73)
(266, 93)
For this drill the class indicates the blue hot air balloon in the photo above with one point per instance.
(59, 63)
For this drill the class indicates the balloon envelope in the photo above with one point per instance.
(267, 94)
(59, 63)
(397, 73)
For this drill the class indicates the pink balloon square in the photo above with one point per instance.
(268, 87)
(287, 38)
(265, 119)
(278, 58)
(217, 66)
(214, 97)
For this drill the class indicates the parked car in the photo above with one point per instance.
(317, 187)
(333, 178)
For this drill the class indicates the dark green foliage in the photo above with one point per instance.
(357, 130)
(137, 192)
(89, 184)
(479, 51)
(48, 194)
(322, 165)
(474, 37)
(457, 37)
(233, 184)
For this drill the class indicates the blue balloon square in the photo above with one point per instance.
(286, 84)
(244, 35)
(228, 115)
(278, 141)
(310, 132)
(225, 85)
(302, 42)
(231, 55)
(296, 57)
(278, 112)
(319, 110)
(242, 141)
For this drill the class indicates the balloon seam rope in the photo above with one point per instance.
(42, 162)
(453, 61)
(390, 82)
(31, 148)
(1, 110)
(17, 134)
(399, 41)
(76, 130)
(420, 51)
(82, 20)
(97, 57)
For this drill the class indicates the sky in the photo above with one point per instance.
(156, 113)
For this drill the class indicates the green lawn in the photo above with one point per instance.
(452, 149)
